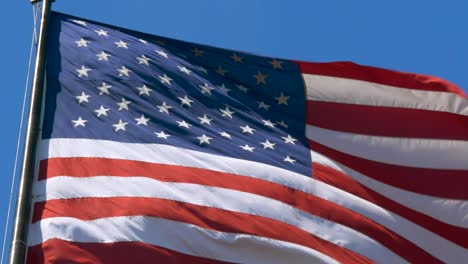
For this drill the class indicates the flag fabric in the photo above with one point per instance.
(155, 150)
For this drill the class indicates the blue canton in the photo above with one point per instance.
(111, 83)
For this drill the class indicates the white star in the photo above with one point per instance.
(185, 101)
(289, 159)
(143, 41)
(268, 144)
(83, 71)
(227, 112)
(242, 88)
(79, 122)
(104, 88)
(79, 22)
(162, 53)
(162, 135)
(144, 90)
(282, 123)
(276, 64)
(120, 126)
(184, 70)
(82, 43)
(221, 71)
(103, 56)
(224, 89)
(204, 139)
(123, 104)
(123, 71)
(121, 44)
(83, 97)
(183, 124)
(261, 78)
(268, 123)
(101, 111)
(200, 68)
(289, 140)
(101, 32)
(261, 104)
(165, 79)
(247, 129)
(237, 58)
(143, 60)
(224, 134)
(282, 99)
(164, 108)
(198, 52)
(247, 148)
(142, 120)
(205, 120)
(206, 89)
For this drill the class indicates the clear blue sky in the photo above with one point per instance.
(427, 37)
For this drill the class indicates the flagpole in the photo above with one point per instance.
(19, 239)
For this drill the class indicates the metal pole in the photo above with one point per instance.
(23, 204)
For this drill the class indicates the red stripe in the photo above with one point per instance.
(387, 121)
(308, 203)
(205, 217)
(355, 71)
(60, 251)
(436, 182)
(342, 181)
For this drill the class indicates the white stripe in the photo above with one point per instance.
(181, 237)
(159, 153)
(349, 91)
(411, 152)
(446, 210)
(226, 199)
(450, 211)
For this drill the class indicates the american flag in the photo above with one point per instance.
(155, 150)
